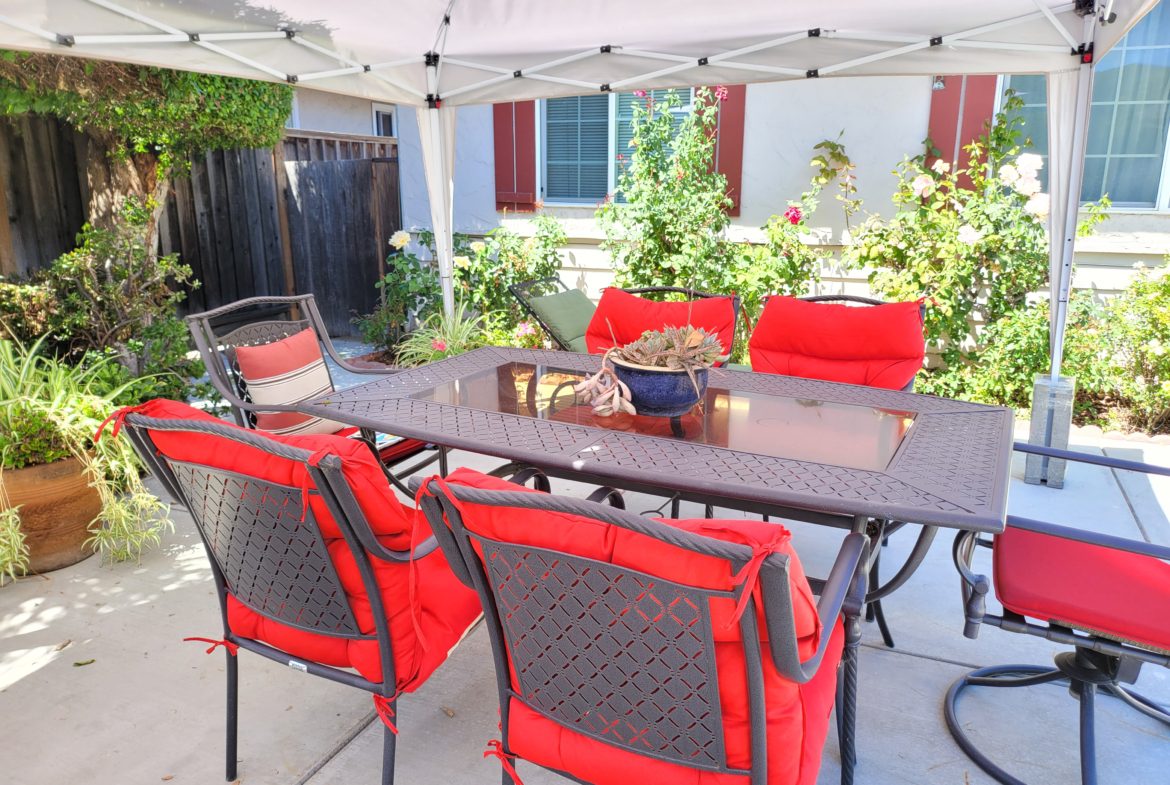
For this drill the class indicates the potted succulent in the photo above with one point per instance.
(662, 374)
(63, 495)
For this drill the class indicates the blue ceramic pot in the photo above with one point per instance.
(661, 392)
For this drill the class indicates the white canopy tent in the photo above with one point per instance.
(440, 54)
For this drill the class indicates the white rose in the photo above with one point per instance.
(969, 235)
(1028, 186)
(1009, 175)
(462, 261)
(941, 166)
(921, 185)
(1029, 164)
(478, 246)
(400, 240)
(1038, 205)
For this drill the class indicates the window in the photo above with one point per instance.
(582, 138)
(1129, 121)
(384, 120)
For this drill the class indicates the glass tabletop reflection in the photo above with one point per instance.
(840, 434)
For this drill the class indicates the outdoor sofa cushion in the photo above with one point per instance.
(877, 345)
(443, 607)
(566, 315)
(1121, 595)
(798, 715)
(622, 317)
(285, 372)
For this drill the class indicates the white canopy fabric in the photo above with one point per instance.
(443, 53)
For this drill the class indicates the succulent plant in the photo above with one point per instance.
(677, 348)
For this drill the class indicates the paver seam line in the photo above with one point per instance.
(337, 748)
(944, 660)
(1128, 502)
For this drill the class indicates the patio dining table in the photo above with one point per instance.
(810, 450)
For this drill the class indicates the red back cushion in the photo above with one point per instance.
(796, 713)
(438, 605)
(285, 372)
(630, 315)
(878, 345)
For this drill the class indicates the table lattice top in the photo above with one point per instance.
(949, 466)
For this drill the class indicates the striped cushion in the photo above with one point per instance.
(286, 372)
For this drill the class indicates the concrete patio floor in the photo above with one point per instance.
(97, 686)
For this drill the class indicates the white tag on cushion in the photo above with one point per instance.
(285, 372)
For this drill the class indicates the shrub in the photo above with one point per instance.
(27, 310)
(503, 258)
(972, 239)
(670, 228)
(442, 336)
(409, 289)
(1139, 344)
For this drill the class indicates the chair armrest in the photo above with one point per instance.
(843, 592)
(974, 586)
(1090, 538)
(379, 551)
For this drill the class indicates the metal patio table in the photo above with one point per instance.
(801, 448)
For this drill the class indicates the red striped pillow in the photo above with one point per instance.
(285, 372)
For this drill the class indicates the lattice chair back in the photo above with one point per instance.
(622, 643)
(218, 339)
(264, 537)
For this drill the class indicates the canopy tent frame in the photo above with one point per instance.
(1063, 53)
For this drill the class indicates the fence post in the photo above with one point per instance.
(281, 175)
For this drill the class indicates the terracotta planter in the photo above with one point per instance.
(57, 506)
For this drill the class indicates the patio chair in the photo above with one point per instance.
(264, 355)
(855, 340)
(317, 565)
(1105, 596)
(562, 313)
(622, 316)
(633, 650)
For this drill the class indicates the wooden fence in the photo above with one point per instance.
(313, 215)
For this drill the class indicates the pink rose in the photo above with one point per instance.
(438, 345)
(793, 215)
(639, 93)
(721, 92)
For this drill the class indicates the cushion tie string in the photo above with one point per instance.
(313, 460)
(117, 418)
(496, 750)
(749, 577)
(385, 708)
(228, 645)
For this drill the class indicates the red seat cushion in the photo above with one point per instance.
(444, 607)
(798, 715)
(877, 345)
(1123, 595)
(630, 315)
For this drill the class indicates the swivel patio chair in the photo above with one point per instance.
(562, 313)
(632, 650)
(317, 565)
(1105, 596)
(855, 340)
(264, 355)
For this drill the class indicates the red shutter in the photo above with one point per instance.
(729, 142)
(959, 112)
(514, 128)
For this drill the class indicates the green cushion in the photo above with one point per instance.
(566, 315)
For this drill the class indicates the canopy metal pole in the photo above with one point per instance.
(1071, 206)
(439, 185)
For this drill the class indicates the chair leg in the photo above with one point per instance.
(675, 507)
(443, 461)
(873, 610)
(1087, 693)
(847, 700)
(233, 713)
(389, 739)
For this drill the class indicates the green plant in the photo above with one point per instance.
(50, 409)
(13, 550)
(29, 309)
(408, 292)
(676, 348)
(972, 239)
(503, 258)
(442, 336)
(670, 228)
(1139, 348)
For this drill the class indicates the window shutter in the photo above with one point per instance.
(958, 113)
(729, 142)
(576, 148)
(514, 130)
